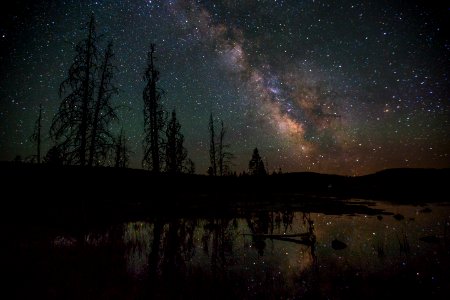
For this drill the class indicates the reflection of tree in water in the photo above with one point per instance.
(258, 223)
(217, 242)
(171, 274)
(264, 225)
(173, 245)
(288, 218)
(309, 223)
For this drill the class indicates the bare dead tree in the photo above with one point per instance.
(70, 126)
(224, 157)
(36, 136)
(81, 129)
(154, 119)
(101, 138)
(122, 153)
(190, 166)
(176, 154)
(212, 147)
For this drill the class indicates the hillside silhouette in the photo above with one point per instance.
(71, 193)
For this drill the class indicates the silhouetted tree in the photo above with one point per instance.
(212, 148)
(55, 156)
(104, 113)
(210, 171)
(224, 156)
(36, 136)
(190, 166)
(70, 125)
(220, 158)
(256, 165)
(122, 155)
(81, 129)
(175, 152)
(153, 116)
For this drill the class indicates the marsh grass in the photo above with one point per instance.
(403, 243)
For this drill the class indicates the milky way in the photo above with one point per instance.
(347, 87)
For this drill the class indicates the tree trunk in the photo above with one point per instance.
(212, 146)
(39, 135)
(86, 96)
(154, 141)
(98, 105)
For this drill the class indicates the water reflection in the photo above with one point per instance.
(291, 252)
(263, 224)
(265, 253)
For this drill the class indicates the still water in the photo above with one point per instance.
(365, 249)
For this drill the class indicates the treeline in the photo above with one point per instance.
(82, 132)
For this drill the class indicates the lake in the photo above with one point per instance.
(295, 249)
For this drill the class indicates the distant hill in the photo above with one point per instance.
(72, 181)
(71, 194)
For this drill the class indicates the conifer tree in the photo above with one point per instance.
(175, 152)
(256, 164)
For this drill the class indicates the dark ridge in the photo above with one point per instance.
(35, 192)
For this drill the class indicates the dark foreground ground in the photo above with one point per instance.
(104, 233)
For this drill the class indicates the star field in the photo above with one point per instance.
(346, 87)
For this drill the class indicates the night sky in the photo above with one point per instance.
(346, 87)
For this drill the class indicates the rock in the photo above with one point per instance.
(380, 218)
(338, 245)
